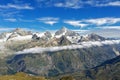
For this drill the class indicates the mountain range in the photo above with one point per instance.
(20, 34)
(20, 39)
(53, 54)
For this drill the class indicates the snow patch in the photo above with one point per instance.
(28, 37)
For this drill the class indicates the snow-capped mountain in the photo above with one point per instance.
(42, 36)
(91, 37)
(66, 32)
(73, 37)
(17, 34)
(22, 32)
(20, 39)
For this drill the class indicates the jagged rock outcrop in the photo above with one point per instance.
(63, 41)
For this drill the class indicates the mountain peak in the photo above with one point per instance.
(18, 29)
(92, 37)
(63, 28)
(66, 32)
(22, 32)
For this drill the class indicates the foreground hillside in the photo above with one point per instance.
(109, 70)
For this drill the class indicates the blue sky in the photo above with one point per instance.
(42, 15)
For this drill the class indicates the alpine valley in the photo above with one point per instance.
(63, 55)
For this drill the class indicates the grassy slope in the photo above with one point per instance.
(21, 76)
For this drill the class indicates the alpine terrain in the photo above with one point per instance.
(59, 55)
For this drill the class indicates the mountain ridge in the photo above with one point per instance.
(20, 34)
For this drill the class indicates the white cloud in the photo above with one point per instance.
(73, 5)
(24, 20)
(76, 4)
(19, 19)
(102, 21)
(8, 13)
(19, 7)
(94, 21)
(13, 10)
(2, 29)
(115, 3)
(10, 19)
(48, 20)
(110, 27)
(75, 23)
(81, 32)
(69, 47)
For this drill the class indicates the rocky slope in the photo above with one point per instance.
(109, 70)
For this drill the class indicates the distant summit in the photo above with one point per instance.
(66, 32)
(92, 37)
(22, 32)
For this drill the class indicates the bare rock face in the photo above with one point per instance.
(35, 37)
(45, 37)
(48, 34)
(64, 41)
